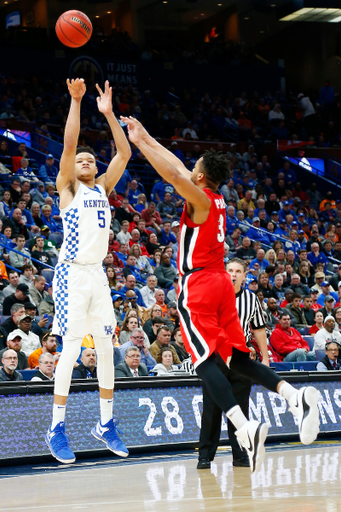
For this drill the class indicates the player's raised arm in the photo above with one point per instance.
(159, 148)
(123, 151)
(67, 162)
(183, 183)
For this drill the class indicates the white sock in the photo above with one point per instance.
(236, 416)
(106, 409)
(287, 391)
(58, 415)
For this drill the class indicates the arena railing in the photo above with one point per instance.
(25, 255)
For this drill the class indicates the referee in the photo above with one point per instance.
(250, 313)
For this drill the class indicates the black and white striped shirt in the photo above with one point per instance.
(250, 312)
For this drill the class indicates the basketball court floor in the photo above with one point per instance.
(293, 478)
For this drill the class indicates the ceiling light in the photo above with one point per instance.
(165, 2)
(246, 18)
(219, 5)
(297, 14)
(202, 14)
(96, 16)
(335, 20)
(108, 12)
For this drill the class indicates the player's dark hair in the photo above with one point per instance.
(239, 261)
(215, 166)
(85, 149)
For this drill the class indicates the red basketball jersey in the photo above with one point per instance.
(202, 245)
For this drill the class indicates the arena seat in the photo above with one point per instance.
(310, 341)
(48, 273)
(320, 354)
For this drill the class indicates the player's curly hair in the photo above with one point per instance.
(85, 149)
(216, 167)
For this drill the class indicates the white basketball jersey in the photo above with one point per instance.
(86, 223)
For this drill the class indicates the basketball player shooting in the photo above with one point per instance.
(206, 299)
(80, 287)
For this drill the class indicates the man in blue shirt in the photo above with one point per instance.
(122, 186)
(26, 214)
(135, 189)
(231, 220)
(325, 286)
(289, 174)
(256, 234)
(160, 188)
(259, 262)
(286, 210)
(282, 229)
(315, 256)
(137, 340)
(166, 236)
(48, 170)
(131, 285)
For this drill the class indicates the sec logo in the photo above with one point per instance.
(87, 68)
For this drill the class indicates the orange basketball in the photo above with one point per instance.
(73, 29)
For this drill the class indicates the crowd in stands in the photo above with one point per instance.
(288, 234)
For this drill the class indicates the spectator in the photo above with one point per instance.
(319, 320)
(30, 341)
(297, 311)
(307, 310)
(130, 284)
(123, 237)
(296, 285)
(151, 216)
(165, 273)
(325, 286)
(9, 362)
(11, 323)
(142, 262)
(166, 237)
(288, 342)
(123, 185)
(19, 260)
(277, 288)
(27, 275)
(88, 367)
(331, 361)
(131, 366)
(48, 345)
(17, 223)
(165, 364)
(136, 239)
(39, 254)
(37, 326)
(129, 324)
(14, 343)
(45, 369)
(138, 339)
(320, 277)
(179, 346)
(48, 170)
(315, 256)
(167, 208)
(13, 278)
(328, 306)
(259, 263)
(172, 295)
(160, 300)
(288, 297)
(131, 269)
(148, 291)
(246, 252)
(37, 292)
(19, 296)
(163, 340)
(327, 334)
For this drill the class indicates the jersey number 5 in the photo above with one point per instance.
(101, 218)
(221, 234)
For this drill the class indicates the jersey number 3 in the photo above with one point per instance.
(221, 234)
(101, 218)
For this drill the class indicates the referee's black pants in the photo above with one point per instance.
(211, 415)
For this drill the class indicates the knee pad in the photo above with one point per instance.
(105, 362)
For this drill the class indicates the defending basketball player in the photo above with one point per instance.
(206, 299)
(80, 288)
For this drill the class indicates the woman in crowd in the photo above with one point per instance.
(35, 211)
(270, 255)
(271, 230)
(152, 243)
(129, 324)
(337, 316)
(319, 319)
(265, 287)
(111, 275)
(7, 202)
(8, 232)
(331, 228)
(165, 363)
(291, 257)
(312, 217)
(142, 262)
(281, 256)
(117, 301)
(141, 203)
(277, 245)
(304, 273)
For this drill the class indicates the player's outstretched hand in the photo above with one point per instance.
(76, 88)
(104, 100)
(145, 135)
(135, 129)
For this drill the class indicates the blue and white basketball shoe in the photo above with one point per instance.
(108, 434)
(58, 443)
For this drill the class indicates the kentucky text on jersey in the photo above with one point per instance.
(96, 203)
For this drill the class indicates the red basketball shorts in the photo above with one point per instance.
(208, 316)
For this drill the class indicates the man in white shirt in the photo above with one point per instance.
(148, 292)
(124, 236)
(327, 334)
(29, 341)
